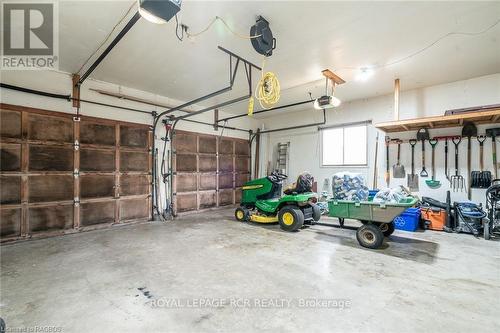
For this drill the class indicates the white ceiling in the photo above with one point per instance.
(311, 36)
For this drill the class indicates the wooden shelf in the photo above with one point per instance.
(483, 117)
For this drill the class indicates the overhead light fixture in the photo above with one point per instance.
(364, 74)
(329, 101)
(159, 11)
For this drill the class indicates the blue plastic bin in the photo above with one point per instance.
(408, 220)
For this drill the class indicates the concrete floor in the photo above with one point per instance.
(149, 278)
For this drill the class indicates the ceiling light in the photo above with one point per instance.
(364, 74)
(159, 11)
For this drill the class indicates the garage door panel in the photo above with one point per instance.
(184, 142)
(237, 195)
(186, 182)
(10, 190)
(226, 146)
(92, 213)
(10, 124)
(50, 158)
(186, 202)
(208, 199)
(226, 180)
(10, 222)
(241, 179)
(242, 164)
(134, 161)
(97, 160)
(207, 144)
(50, 218)
(186, 163)
(97, 134)
(225, 197)
(134, 185)
(225, 163)
(50, 188)
(207, 163)
(47, 128)
(136, 137)
(10, 157)
(208, 182)
(241, 148)
(97, 186)
(133, 209)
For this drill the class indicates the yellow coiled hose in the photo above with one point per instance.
(268, 89)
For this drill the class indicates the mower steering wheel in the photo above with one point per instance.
(277, 176)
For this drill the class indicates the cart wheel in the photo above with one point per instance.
(387, 228)
(241, 214)
(370, 236)
(290, 218)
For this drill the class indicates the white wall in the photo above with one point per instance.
(60, 83)
(305, 143)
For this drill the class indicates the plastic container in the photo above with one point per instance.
(408, 220)
(435, 218)
(371, 194)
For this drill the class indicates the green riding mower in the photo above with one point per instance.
(261, 202)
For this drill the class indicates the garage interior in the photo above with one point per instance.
(202, 166)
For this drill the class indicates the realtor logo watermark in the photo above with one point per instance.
(30, 38)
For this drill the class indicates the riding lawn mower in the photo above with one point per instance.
(262, 202)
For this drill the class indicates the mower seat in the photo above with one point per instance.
(302, 185)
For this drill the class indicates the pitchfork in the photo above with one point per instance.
(457, 181)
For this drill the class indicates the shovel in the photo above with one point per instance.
(422, 135)
(398, 170)
(469, 130)
(413, 178)
(481, 179)
(433, 183)
(493, 133)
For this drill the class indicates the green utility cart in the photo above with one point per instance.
(377, 218)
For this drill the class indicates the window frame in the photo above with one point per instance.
(343, 127)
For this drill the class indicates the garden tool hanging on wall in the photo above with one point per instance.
(433, 183)
(481, 179)
(413, 178)
(469, 130)
(422, 135)
(398, 170)
(493, 133)
(387, 167)
(457, 181)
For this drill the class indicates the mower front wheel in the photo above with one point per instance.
(290, 218)
(241, 214)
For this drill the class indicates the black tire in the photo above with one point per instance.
(290, 218)
(241, 214)
(486, 231)
(387, 228)
(370, 236)
(316, 212)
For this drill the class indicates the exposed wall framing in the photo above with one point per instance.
(209, 171)
(60, 174)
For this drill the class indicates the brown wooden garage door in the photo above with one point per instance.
(58, 175)
(209, 171)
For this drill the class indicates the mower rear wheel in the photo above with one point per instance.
(316, 212)
(370, 236)
(241, 214)
(290, 218)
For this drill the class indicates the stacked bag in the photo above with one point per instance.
(349, 186)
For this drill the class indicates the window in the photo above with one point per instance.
(344, 145)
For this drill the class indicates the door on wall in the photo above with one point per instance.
(209, 170)
(59, 174)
